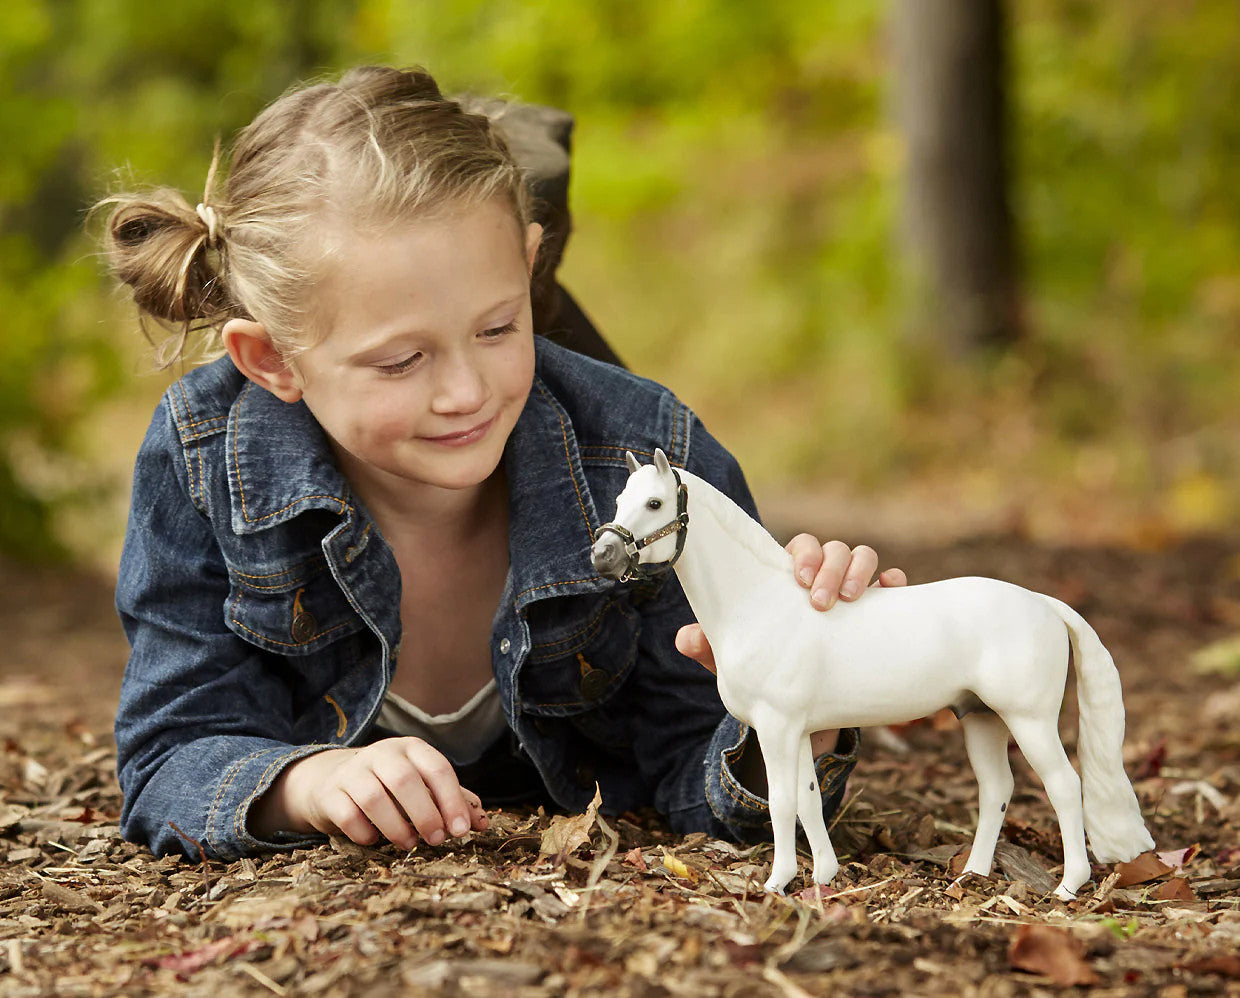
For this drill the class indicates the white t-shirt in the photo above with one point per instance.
(462, 735)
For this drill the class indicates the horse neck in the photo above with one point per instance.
(726, 553)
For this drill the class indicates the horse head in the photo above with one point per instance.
(647, 534)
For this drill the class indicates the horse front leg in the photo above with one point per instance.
(779, 752)
(809, 810)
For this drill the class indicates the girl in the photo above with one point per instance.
(356, 579)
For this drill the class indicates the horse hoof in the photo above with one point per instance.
(774, 887)
(1064, 894)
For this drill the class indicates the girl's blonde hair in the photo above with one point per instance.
(374, 149)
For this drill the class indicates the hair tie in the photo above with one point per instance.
(212, 221)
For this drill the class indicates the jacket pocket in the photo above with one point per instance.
(292, 613)
(579, 661)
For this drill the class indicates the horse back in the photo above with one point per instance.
(897, 654)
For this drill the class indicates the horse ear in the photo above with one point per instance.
(660, 461)
(631, 461)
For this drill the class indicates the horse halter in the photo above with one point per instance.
(632, 546)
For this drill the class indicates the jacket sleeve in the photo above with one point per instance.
(203, 727)
(692, 742)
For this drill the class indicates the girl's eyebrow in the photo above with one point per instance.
(383, 340)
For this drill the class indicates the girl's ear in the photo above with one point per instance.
(256, 357)
(533, 239)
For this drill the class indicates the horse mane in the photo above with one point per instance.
(747, 531)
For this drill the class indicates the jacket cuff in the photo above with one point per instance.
(743, 813)
(227, 834)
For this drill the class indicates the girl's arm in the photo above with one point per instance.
(203, 724)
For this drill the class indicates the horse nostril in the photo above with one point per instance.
(606, 558)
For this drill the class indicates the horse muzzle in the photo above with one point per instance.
(610, 557)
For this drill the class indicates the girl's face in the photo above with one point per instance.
(428, 355)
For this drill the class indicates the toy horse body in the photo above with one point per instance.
(994, 652)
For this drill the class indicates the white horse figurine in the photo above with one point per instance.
(997, 654)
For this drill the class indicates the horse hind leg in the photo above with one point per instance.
(1038, 739)
(986, 741)
(809, 810)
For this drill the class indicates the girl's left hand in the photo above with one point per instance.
(831, 572)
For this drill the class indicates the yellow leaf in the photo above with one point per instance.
(678, 868)
(1220, 656)
(1197, 501)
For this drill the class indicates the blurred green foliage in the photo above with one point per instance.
(737, 202)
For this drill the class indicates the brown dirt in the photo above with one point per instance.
(632, 910)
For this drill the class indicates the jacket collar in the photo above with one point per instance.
(280, 465)
(546, 486)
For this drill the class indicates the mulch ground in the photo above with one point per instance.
(552, 904)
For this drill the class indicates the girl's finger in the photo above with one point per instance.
(691, 642)
(861, 569)
(374, 801)
(446, 797)
(892, 578)
(836, 557)
(806, 557)
(343, 815)
(477, 814)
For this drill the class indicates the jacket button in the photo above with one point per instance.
(504, 645)
(305, 627)
(593, 683)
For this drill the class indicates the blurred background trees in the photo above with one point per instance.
(763, 221)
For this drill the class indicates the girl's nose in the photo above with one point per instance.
(460, 386)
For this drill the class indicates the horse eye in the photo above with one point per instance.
(655, 504)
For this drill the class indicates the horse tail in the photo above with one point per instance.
(1113, 821)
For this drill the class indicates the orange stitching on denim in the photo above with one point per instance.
(608, 450)
(273, 641)
(356, 549)
(238, 829)
(292, 568)
(180, 387)
(342, 722)
(728, 781)
(279, 586)
(552, 585)
(184, 416)
(584, 634)
(202, 479)
(581, 503)
(344, 506)
(225, 783)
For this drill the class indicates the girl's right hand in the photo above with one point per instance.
(397, 788)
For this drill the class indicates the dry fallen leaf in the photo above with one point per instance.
(1052, 952)
(1225, 965)
(678, 868)
(1144, 868)
(184, 964)
(1178, 857)
(1175, 889)
(635, 859)
(568, 833)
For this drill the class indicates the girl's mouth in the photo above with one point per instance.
(462, 438)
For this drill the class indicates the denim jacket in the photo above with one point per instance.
(262, 607)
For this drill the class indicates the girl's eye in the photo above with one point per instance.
(401, 366)
(498, 331)
(655, 504)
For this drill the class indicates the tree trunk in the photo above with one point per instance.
(950, 103)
